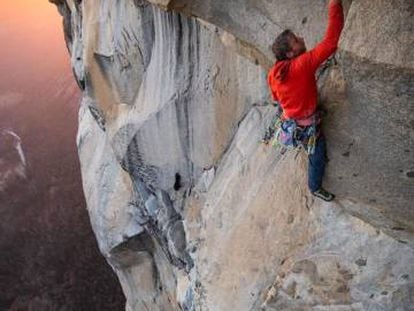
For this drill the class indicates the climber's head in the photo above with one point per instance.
(287, 45)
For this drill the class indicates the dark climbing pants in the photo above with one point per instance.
(317, 162)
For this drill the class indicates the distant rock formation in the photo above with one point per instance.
(12, 160)
(190, 210)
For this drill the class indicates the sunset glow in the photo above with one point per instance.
(31, 34)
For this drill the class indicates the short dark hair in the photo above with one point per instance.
(281, 46)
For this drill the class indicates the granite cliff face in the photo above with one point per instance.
(189, 209)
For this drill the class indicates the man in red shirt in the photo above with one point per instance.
(293, 84)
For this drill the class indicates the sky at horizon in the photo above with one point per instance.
(32, 51)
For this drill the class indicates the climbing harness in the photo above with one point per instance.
(293, 133)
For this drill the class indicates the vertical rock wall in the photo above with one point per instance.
(373, 126)
(187, 206)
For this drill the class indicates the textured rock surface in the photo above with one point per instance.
(279, 232)
(374, 124)
(190, 210)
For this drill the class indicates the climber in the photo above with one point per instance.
(292, 83)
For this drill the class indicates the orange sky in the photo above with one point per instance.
(32, 43)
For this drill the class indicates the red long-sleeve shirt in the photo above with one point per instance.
(297, 93)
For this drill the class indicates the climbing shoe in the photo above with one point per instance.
(324, 195)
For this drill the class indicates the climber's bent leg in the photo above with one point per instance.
(316, 166)
(316, 171)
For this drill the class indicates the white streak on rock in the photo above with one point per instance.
(18, 146)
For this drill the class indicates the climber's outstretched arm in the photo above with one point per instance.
(315, 57)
